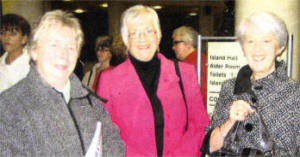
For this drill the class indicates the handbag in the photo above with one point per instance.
(232, 141)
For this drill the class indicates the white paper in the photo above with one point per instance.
(95, 149)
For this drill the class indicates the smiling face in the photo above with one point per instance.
(143, 40)
(56, 55)
(260, 48)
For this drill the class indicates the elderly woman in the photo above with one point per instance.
(262, 86)
(155, 117)
(49, 113)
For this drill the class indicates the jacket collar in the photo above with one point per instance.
(165, 74)
(77, 88)
(164, 67)
(243, 82)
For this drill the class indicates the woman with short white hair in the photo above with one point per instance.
(261, 88)
(155, 115)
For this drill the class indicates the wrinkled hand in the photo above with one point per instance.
(239, 110)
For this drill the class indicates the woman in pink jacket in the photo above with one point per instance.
(155, 117)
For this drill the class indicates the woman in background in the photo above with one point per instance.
(14, 63)
(104, 54)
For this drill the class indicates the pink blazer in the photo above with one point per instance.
(131, 109)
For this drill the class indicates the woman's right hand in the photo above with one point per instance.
(239, 110)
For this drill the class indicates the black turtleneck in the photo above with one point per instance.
(148, 73)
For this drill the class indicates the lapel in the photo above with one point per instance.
(168, 77)
(131, 82)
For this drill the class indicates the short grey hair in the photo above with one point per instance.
(57, 17)
(187, 34)
(264, 21)
(136, 12)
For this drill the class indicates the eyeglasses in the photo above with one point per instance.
(175, 42)
(103, 49)
(137, 34)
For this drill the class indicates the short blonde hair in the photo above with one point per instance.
(136, 12)
(57, 17)
(264, 21)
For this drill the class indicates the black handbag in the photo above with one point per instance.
(232, 147)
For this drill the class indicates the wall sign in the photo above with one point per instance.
(223, 62)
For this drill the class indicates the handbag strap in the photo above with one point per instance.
(90, 76)
(97, 80)
(182, 91)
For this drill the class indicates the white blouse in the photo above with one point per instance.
(12, 73)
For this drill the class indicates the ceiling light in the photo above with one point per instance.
(193, 14)
(67, 0)
(104, 5)
(156, 7)
(79, 11)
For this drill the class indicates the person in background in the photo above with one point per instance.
(104, 54)
(155, 115)
(261, 86)
(14, 63)
(118, 55)
(185, 47)
(49, 112)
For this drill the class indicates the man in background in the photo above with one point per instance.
(185, 47)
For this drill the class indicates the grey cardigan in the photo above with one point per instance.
(36, 121)
(276, 97)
